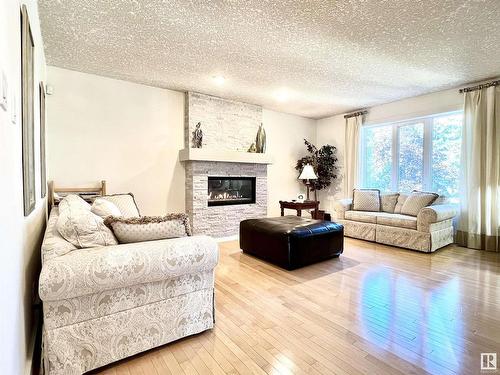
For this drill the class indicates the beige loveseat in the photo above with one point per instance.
(430, 230)
(106, 303)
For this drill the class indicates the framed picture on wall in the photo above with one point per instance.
(27, 115)
(43, 178)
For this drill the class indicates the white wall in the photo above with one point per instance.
(285, 142)
(20, 237)
(122, 132)
(130, 135)
(437, 102)
(331, 130)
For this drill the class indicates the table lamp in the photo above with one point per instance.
(308, 175)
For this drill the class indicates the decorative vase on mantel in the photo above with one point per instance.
(260, 140)
(252, 148)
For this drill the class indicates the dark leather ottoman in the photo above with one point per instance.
(291, 241)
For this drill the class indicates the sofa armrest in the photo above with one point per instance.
(435, 214)
(341, 206)
(87, 271)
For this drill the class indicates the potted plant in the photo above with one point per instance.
(324, 161)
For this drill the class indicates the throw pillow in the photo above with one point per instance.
(125, 203)
(389, 201)
(366, 200)
(73, 200)
(83, 229)
(416, 201)
(401, 200)
(104, 208)
(149, 228)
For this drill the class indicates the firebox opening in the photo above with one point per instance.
(231, 190)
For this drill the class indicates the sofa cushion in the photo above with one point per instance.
(388, 202)
(397, 220)
(54, 244)
(361, 216)
(366, 200)
(74, 201)
(79, 226)
(83, 272)
(125, 203)
(149, 228)
(416, 201)
(84, 229)
(104, 208)
(399, 204)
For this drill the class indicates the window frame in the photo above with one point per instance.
(427, 147)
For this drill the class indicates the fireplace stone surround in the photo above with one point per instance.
(229, 127)
(222, 221)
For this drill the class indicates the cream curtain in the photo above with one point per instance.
(479, 221)
(351, 154)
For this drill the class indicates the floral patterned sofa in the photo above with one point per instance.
(103, 304)
(427, 231)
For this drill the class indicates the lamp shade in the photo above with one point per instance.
(308, 173)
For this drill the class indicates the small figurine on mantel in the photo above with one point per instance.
(197, 140)
(260, 140)
(252, 148)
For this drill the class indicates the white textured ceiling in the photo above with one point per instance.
(329, 56)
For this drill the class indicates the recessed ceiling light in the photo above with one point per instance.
(219, 80)
(282, 95)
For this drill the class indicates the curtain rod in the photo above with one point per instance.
(479, 87)
(354, 114)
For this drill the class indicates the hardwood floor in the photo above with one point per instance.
(374, 310)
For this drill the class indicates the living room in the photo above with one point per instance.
(250, 187)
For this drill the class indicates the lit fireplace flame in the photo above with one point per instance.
(224, 196)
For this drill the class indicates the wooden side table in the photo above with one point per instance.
(298, 206)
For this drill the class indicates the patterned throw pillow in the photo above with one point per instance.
(389, 201)
(366, 200)
(149, 228)
(401, 200)
(74, 201)
(79, 226)
(104, 208)
(125, 203)
(416, 201)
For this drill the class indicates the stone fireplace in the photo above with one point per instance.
(224, 183)
(223, 220)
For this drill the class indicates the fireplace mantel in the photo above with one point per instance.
(200, 154)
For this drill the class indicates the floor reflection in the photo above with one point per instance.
(422, 323)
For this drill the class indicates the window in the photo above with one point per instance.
(422, 154)
(378, 151)
(445, 156)
(411, 156)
